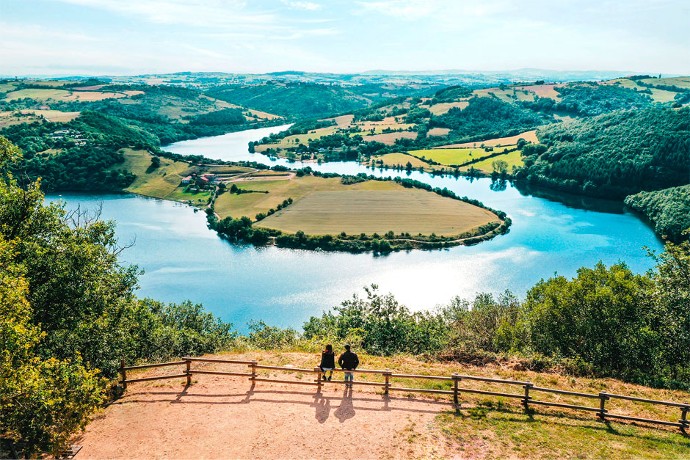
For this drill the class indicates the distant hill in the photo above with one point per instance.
(295, 100)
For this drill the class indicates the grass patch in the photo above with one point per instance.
(459, 156)
(160, 182)
(498, 432)
(195, 198)
(529, 136)
(513, 158)
(393, 160)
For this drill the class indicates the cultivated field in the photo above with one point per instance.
(390, 138)
(29, 116)
(438, 132)
(458, 156)
(401, 159)
(378, 211)
(269, 192)
(45, 95)
(529, 136)
(327, 207)
(443, 107)
(343, 121)
(513, 158)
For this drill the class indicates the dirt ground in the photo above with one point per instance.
(227, 417)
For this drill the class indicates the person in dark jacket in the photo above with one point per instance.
(327, 362)
(348, 361)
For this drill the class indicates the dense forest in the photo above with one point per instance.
(668, 210)
(613, 155)
(591, 99)
(294, 100)
(487, 117)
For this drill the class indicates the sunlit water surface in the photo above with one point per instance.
(183, 259)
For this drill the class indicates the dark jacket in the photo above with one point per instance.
(348, 360)
(327, 360)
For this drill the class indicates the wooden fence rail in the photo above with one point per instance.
(526, 396)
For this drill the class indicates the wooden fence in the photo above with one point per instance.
(526, 392)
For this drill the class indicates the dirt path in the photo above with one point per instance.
(225, 417)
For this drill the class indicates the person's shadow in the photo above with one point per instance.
(323, 407)
(346, 410)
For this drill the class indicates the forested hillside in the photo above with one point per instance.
(668, 210)
(590, 99)
(613, 155)
(294, 100)
(80, 155)
(486, 117)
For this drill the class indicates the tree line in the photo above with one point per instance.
(612, 155)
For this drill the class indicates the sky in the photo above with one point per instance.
(129, 37)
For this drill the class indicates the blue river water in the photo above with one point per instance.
(182, 259)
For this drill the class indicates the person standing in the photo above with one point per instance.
(327, 362)
(348, 361)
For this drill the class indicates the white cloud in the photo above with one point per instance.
(307, 6)
(198, 13)
(442, 10)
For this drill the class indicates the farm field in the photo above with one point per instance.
(327, 207)
(389, 138)
(548, 91)
(44, 95)
(15, 117)
(661, 95)
(401, 159)
(269, 192)
(444, 107)
(529, 136)
(682, 82)
(399, 210)
(377, 127)
(438, 132)
(457, 156)
(513, 158)
(343, 121)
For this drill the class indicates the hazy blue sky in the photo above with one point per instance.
(147, 36)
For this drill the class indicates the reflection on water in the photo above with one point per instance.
(182, 259)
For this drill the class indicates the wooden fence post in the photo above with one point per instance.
(253, 366)
(602, 406)
(456, 391)
(387, 375)
(188, 364)
(123, 372)
(684, 418)
(318, 379)
(525, 401)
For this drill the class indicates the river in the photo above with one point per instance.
(182, 259)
